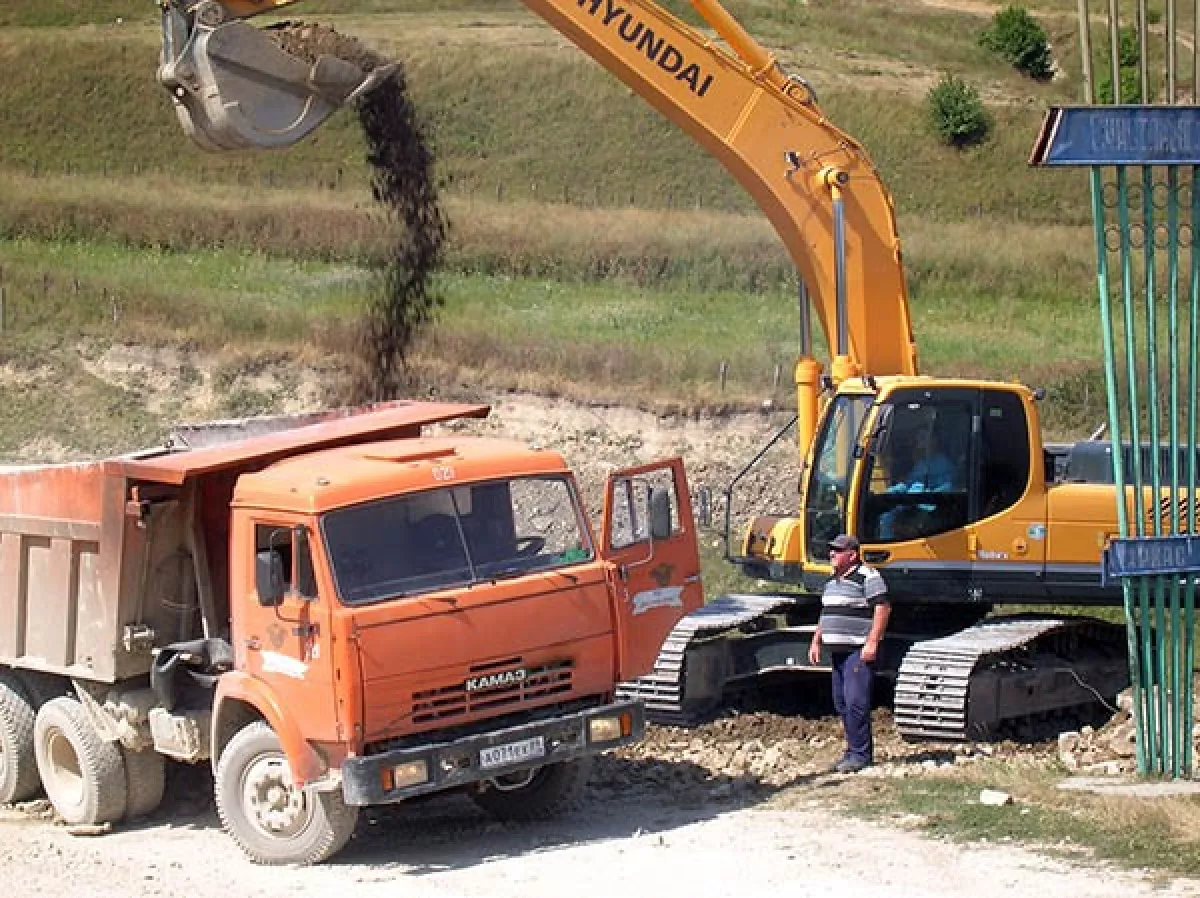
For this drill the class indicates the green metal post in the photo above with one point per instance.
(1114, 428)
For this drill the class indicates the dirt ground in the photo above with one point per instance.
(649, 824)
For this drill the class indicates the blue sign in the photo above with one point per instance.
(1119, 135)
(1151, 555)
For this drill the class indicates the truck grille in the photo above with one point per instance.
(448, 702)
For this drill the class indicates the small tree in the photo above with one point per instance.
(1017, 36)
(1129, 57)
(956, 112)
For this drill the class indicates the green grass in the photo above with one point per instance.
(719, 576)
(76, 12)
(486, 107)
(110, 290)
(1130, 832)
(611, 337)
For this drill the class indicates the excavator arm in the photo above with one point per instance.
(236, 86)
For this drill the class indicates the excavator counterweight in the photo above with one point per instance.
(237, 87)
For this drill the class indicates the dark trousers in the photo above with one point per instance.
(852, 677)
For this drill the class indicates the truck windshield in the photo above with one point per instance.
(829, 479)
(454, 536)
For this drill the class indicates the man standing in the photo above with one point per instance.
(854, 615)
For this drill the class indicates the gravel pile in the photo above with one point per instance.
(751, 755)
(1111, 750)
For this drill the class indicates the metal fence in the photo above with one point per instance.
(1143, 161)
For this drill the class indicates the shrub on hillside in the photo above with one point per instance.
(1017, 36)
(1129, 57)
(956, 112)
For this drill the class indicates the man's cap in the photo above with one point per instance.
(844, 541)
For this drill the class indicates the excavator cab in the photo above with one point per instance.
(906, 464)
(916, 461)
(236, 87)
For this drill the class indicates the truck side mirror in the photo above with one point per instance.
(660, 514)
(268, 578)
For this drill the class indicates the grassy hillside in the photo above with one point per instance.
(534, 120)
(569, 199)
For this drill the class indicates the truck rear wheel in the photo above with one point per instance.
(84, 776)
(18, 767)
(39, 687)
(537, 794)
(273, 821)
(145, 782)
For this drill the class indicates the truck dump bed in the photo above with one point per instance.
(101, 561)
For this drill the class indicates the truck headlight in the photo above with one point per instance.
(609, 729)
(410, 773)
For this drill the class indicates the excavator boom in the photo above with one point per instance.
(238, 87)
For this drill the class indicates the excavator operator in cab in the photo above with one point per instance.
(932, 470)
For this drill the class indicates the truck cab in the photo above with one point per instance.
(393, 589)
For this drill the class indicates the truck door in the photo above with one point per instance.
(650, 535)
(286, 628)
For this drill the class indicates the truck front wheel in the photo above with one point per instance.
(84, 776)
(18, 767)
(535, 794)
(273, 821)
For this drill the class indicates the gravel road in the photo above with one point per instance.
(631, 844)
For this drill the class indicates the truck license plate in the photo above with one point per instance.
(512, 752)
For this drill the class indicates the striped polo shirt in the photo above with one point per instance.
(848, 606)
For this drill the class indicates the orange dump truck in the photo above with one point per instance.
(334, 613)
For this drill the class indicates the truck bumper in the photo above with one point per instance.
(365, 781)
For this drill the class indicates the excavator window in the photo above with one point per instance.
(919, 470)
(828, 487)
(1005, 468)
(943, 459)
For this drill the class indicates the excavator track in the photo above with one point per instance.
(1004, 670)
(666, 693)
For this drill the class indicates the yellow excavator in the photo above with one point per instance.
(994, 516)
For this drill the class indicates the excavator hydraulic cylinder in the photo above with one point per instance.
(808, 389)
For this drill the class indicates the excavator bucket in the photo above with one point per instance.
(236, 87)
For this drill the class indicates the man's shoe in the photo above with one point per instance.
(836, 766)
(852, 765)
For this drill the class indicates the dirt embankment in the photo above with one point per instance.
(596, 440)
